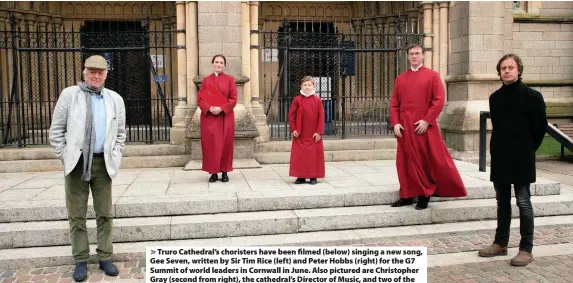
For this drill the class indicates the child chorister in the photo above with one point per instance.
(306, 120)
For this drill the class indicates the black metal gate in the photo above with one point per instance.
(354, 73)
(38, 62)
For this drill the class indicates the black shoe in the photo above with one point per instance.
(213, 178)
(299, 181)
(402, 202)
(313, 181)
(422, 202)
(108, 268)
(225, 178)
(81, 271)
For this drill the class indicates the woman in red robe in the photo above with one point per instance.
(425, 167)
(306, 120)
(218, 122)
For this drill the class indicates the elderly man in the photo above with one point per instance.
(88, 135)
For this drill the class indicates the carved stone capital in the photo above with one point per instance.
(239, 80)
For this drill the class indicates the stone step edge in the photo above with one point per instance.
(197, 204)
(128, 162)
(332, 145)
(268, 223)
(472, 257)
(330, 156)
(131, 150)
(11, 259)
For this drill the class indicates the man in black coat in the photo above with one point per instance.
(519, 124)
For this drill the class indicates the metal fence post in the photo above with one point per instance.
(483, 115)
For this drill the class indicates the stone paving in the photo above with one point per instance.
(49, 185)
(455, 244)
(543, 269)
(174, 181)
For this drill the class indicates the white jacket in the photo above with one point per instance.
(67, 131)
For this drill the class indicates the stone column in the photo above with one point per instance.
(443, 39)
(428, 33)
(257, 108)
(178, 129)
(220, 31)
(192, 58)
(246, 52)
(477, 38)
(436, 38)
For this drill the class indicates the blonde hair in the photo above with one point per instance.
(307, 79)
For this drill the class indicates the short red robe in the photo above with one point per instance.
(218, 131)
(423, 162)
(306, 116)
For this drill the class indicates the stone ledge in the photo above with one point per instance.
(332, 145)
(237, 164)
(210, 203)
(472, 78)
(239, 79)
(548, 82)
(329, 156)
(526, 18)
(131, 150)
(29, 234)
(160, 161)
(12, 259)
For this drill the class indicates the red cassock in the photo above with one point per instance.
(423, 162)
(306, 116)
(218, 131)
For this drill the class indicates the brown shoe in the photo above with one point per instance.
(521, 259)
(493, 250)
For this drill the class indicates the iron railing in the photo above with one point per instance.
(354, 71)
(38, 62)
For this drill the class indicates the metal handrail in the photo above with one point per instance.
(552, 130)
(483, 116)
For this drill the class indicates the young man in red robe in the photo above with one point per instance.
(218, 123)
(425, 167)
(306, 120)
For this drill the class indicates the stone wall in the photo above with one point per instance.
(219, 33)
(556, 9)
(545, 50)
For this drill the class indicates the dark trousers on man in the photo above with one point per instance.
(523, 199)
(77, 193)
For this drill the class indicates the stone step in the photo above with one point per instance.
(134, 161)
(308, 197)
(330, 156)
(332, 145)
(54, 233)
(131, 150)
(441, 260)
(11, 259)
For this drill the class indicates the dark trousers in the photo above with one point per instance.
(77, 193)
(523, 198)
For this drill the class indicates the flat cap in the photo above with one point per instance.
(96, 62)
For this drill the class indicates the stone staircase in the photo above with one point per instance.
(278, 152)
(38, 159)
(258, 207)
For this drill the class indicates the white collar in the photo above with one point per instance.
(216, 74)
(307, 95)
(416, 69)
